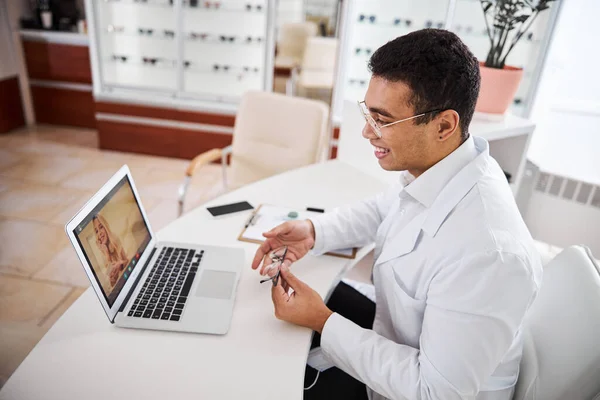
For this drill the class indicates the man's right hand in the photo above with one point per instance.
(298, 236)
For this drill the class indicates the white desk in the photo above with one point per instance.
(83, 356)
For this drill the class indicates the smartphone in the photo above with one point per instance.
(229, 208)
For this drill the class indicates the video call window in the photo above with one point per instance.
(113, 237)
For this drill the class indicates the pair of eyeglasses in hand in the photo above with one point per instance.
(278, 257)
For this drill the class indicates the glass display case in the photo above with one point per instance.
(182, 50)
(324, 13)
(368, 24)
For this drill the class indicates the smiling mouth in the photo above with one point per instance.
(381, 150)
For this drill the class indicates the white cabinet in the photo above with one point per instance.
(181, 52)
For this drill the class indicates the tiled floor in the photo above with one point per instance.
(46, 175)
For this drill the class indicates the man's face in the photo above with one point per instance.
(403, 146)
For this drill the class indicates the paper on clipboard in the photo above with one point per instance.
(267, 217)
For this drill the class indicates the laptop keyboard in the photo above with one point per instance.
(166, 289)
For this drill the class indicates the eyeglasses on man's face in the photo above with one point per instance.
(376, 127)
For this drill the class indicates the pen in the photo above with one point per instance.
(247, 224)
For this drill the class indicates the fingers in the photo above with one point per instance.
(267, 263)
(285, 285)
(261, 253)
(291, 279)
(268, 266)
(270, 269)
(279, 296)
(278, 230)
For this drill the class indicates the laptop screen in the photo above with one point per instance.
(113, 237)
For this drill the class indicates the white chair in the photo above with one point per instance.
(292, 43)
(317, 72)
(561, 355)
(273, 133)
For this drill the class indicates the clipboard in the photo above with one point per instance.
(267, 217)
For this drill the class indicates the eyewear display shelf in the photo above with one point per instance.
(185, 63)
(368, 24)
(210, 51)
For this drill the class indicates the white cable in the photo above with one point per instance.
(315, 382)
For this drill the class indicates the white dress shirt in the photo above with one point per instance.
(455, 272)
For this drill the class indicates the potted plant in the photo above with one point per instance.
(506, 22)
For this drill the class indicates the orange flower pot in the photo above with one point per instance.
(498, 88)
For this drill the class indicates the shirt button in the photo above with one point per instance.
(402, 211)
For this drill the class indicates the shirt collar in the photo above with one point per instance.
(406, 178)
(426, 188)
(459, 185)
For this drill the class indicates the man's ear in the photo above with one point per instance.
(448, 124)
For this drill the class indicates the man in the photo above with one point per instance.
(455, 266)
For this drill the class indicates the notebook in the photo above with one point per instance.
(267, 217)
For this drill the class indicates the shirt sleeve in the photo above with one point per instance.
(473, 313)
(353, 226)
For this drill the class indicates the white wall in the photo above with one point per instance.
(567, 110)
(575, 53)
(567, 138)
(567, 143)
(563, 223)
(8, 65)
(11, 53)
(16, 10)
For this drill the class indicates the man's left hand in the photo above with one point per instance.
(303, 307)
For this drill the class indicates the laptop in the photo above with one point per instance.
(145, 284)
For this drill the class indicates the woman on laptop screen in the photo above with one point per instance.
(113, 236)
(113, 253)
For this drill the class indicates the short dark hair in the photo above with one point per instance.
(439, 68)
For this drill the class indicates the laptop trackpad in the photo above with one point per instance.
(216, 284)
